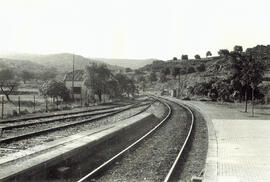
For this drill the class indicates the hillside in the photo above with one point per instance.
(20, 65)
(63, 61)
(127, 63)
(215, 68)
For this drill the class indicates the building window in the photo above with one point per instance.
(77, 90)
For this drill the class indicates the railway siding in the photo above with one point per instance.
(39, 162)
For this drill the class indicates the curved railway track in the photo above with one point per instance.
(171, 169)
(11, 132)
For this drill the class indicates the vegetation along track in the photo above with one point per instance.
(157, 155)
(42, 135)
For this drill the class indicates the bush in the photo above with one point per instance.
(25, 111)
(191, 69)
(53, 109)
(14, 113)
(197, 56)
(66, 108)
(201, 68)
(186, 98)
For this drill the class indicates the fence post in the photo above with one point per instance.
(34, 103)
(19, 103)
(57, 103)
(3, 106)
(46, 104)
(81, 99)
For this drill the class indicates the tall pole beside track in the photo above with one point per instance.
(72, 90)
(3, 107)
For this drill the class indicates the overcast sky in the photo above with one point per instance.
(132, 28)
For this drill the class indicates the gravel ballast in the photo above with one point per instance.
(196, 152)
(152, 159)
(38, 140)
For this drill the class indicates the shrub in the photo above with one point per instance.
(186, 98)
(53, 109)
(25, 111)
(197, 56)
(66, 108)
(191, 69)
(14, 113)
(201, 68)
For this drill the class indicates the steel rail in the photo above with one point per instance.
(173, 167)
(129, 147)
(55, 115)
(36, 133)
(91, 113)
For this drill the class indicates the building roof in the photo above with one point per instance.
(78, 75)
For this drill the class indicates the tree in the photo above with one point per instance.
(238, 48)
(55, 89)
(122, 82)
(208, 53)
(175, 58)
(128, 70)
(248, 69)
(48, 74)
(141, 78)
(8, 82)
(138, 72)
(175, 71)
(201, 88)
(184, 57)
(131, 88)
(166, 71)
(27, 75)
(223, 52)
(153, 77)
(222, 89)
(162, 78)
(197, 56)
(113, 89)
(125, 85)
(96, 79)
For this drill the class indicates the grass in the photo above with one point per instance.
(261, 111)
(27, 102)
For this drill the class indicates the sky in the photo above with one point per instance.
(138, 29)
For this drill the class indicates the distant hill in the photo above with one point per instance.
(20, 65)
(127, 63)
(63, 61)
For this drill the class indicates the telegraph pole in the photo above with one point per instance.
(72, 90)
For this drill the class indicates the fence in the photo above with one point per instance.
(24, 104)
(32, 103)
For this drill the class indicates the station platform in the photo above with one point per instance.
(78, 153)
(239, 143)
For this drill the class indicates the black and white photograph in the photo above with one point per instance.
(134, 91)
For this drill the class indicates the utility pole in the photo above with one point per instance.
(19, 104)
(72, 90)
(3, 106)
(34, 102)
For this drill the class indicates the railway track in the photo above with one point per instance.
(46, 116)
(10, 133)
(16, 143)
(136, 159)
